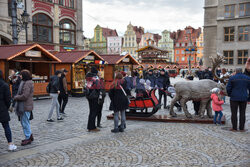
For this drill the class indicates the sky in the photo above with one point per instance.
(153, 15)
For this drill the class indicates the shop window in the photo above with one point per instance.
(244, 9)
(42, 28)
(243, 33)
(229, 11)
(242, 56)
(229, 57)
(67, 32)
(229, 34)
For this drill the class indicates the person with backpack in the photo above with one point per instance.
(5, 101)
(54, 92)
(92, 94)
(63, 95)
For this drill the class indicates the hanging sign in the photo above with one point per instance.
(126, 60)
(33, 53)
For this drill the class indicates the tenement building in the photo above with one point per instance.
(226, 31)
(55, 24)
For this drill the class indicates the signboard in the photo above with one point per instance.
(68, 48)
(89, 57)
(33, 53)
(126, 60)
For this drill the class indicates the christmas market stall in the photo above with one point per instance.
(78, 63)
(117, 62)
(32, 57)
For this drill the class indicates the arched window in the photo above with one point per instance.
(42, 28)
(67, 32)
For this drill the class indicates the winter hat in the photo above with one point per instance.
(94, 70)
(215, 90)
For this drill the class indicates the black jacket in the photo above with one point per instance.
(152, 79)
(163, 82)
(5, 101)
(119, 101)
(54, 84)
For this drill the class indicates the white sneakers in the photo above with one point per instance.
(12, 147)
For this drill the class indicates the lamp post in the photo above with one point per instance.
(19, 24)
(190, 49)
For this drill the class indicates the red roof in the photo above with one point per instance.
(106, 32)
(74, 56)
(139, 31)
(116, 58)
(9, 52)
(180, 35)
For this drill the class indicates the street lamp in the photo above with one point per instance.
(19, 24)
(190, 49)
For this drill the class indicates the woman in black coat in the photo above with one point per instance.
(5, 101)
(119, 102)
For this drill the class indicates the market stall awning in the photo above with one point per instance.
(34, 51)
(117, 58)
(77, 56)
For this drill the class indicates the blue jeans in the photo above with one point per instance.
(7, 131)
(216, 115)
(25, 121)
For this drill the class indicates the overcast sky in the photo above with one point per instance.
(154, 15)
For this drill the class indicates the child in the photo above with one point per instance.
(217, 105)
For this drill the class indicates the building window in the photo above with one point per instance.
(177, 58)
(183, 58)
(67, 32)
(242, 56)
(42, 28)
(182, 52)
(243, 33)
(228, 34)
(71, 3)
(229, 57)
(177, 52)
(61, 2)
(177, 44)
(244, 9)
(229, 11)
(183, 44)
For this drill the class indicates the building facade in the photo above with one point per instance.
(226, 31)
(145, 37)
(200, 45)
(114, 45)
(86, 44)
(167, 43)
(132, 39)
(181, 40)
(54, 24)
(99, 42)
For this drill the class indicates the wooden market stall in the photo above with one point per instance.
(116, 62)
(32, 57)
(78, 63)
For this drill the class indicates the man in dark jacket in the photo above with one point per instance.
(54, 92)
(162, 84)
(63, 96)
(5, 100)
(92, 81)
(152, 78)
(238, 88)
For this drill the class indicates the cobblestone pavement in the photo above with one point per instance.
(68, 143)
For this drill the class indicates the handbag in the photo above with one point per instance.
(125, 94)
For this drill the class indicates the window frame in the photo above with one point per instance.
(242, 57)
(69, 30)
(243, 34)
(229, 34)
(230, 11)
(227, 57)
(244, 9)
(37, 25)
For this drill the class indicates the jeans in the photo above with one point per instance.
(116, 119)
(93, 109)
(54, 104)
(63, 100)
(216, 115)
(162, 93)
(25, 122)
(234, 105)
(99, 114)
(7, 131)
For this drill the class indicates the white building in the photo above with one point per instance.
(114, 45)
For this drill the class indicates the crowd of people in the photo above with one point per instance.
(125, 85)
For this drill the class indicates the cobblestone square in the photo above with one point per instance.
(67, 143)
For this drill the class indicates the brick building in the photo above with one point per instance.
(54, 24)
(181, 40)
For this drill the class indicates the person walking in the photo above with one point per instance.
(63, 95)
(101, 99)
(5, 101)
(24, 105)
(162, 84)
(217, 105)
(54, 92)
(92, 81)
(238, 89)
(119, 101)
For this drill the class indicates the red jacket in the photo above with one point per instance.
(216, 103)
